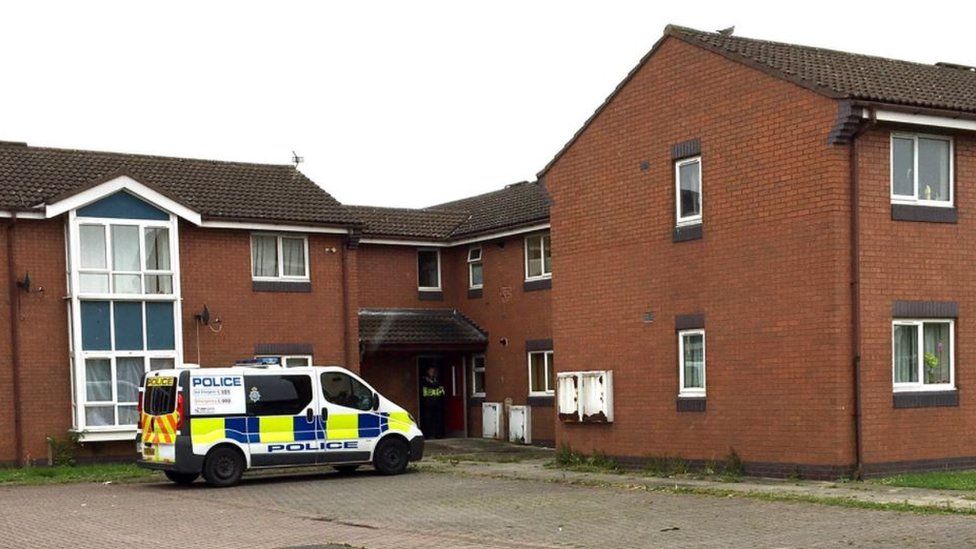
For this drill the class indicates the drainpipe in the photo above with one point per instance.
(856, 290)
(14, 339)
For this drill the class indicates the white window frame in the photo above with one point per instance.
(688, 219)
(79, 356)
(550, 388)
(920, 385)
(691, 391)
(283, 359)
(474, 370)
(916, 199)
(280, 262)
(472, 263)
(542, 247)
(439, 273)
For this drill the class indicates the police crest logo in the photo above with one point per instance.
(254, 395)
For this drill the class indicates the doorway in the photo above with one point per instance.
(448, 420)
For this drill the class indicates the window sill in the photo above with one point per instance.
(683, 233)
(537, 284)
(475, 293)
(691, 403)
(926, 399)
(543, 401)
(281, 286)
(122, 433)
(430, 295)
(925, 214)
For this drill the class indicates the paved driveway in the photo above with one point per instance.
(424, 509)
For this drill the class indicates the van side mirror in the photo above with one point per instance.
(375, 403)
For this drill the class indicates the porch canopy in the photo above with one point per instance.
(418, 329)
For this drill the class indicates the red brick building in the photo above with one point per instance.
(786, 223)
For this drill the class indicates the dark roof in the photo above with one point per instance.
(517, 205)
(30, 176)
(381, 327)
(835, 74)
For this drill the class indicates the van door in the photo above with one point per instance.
(283, 424)
(351, 425)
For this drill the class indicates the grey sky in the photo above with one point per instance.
(390, 103)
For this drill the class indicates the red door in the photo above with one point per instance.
(454, 405)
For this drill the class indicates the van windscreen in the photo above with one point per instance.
(160, 397)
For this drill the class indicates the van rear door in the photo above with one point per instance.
(160, 418)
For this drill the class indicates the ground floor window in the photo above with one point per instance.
(691, 367)
(478, 375)
(290, 361)
(542, 379)
(922, 354)
(112, 387)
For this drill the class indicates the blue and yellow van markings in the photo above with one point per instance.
(277, 429)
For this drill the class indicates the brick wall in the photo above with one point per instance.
(902, 260)
(771, 273)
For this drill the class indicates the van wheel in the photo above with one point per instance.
(391, 456)
(345, 469)
(185, 479)
(223, 467)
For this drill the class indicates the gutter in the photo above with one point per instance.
(14, 340)
(856, 288)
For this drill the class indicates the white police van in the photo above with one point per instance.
(222, 421)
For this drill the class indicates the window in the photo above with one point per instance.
(542, 379)
(475, 268)
(921, 169)
(290, 361)
(344, 390)
(691, 367)
(538, 258)
(429, 269)
(585, 396)
(114, 259)
(279, 257)
(278, 395)
(688, 192)
(478, 375)
(922, 354)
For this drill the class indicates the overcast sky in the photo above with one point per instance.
(390, 103)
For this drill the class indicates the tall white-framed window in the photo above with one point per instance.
(476, 275)
(538, 257)
(922, 169)
(688, 191)
(691, 363)
(922, 354)
(478, 375)
(290, 361)
(279, 257)
(124, 310)
(429, 269)
(542, 375)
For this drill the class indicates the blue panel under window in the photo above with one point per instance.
(128, 326)
(159, 326)
(123, 205)
(96, 334)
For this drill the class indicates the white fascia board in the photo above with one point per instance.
(461, 242)
(272, 227)
(921, 119)
(23, 215)
(120, 183)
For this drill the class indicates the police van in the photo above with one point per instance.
(220, 422)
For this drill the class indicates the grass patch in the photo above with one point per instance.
(62, 474)
(573, 460)
(454, 459)
(943, 480)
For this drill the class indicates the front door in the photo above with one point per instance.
(282, 423)
(441, 397)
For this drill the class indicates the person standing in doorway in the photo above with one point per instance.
(432, 405)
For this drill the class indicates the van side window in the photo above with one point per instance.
(277, 395)
(344, 390)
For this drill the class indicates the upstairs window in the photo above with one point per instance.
(688, 191)
(921, 169)
(538, 257)
(279, 257)
(922, 355)
(429, 270)
(691, 370)
(542, 377)
(121, 258)
(475, 268)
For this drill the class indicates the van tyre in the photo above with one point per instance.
(345, 469)
(391, 456)
(223, 467)
(185, 479)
